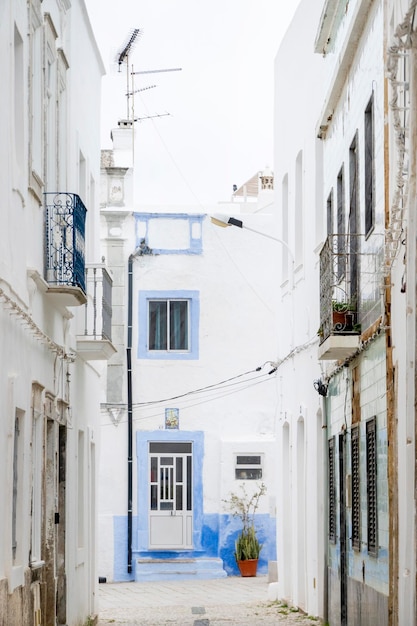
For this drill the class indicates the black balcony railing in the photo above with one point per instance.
(65, 240)
(98, 308)
(351, 273)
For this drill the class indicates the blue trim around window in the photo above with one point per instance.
(195, 228)
(194, 311)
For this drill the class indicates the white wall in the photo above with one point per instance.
(234, 277)
(299, 91)
(38, 333)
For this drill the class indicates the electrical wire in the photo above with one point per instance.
(236, 266)
(172, 158)
(235, 386)
(186, 407)
(207, 387)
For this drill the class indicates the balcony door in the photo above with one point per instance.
(170, 495)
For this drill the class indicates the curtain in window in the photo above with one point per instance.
(178, 319)
(158, 325)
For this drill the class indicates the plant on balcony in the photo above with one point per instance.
(343, 306)
(247, 545)
(343, 314)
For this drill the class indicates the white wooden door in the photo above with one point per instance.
(170, 495)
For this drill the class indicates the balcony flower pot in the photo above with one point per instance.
(343, 315)
(247, 545)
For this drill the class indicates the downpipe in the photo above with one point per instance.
(129, 413)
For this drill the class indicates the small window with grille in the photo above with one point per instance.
(332, 493)
(248, 467)
(371, 486)
(356, 495)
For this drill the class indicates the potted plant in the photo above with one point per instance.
(343, 314)
(247, 545)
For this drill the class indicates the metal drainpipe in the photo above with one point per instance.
(129, 414)
(325, 440)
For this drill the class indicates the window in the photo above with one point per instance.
(299, 198)
(285, 226)
(248, 467)
(18, 97)
(15, 485)
(37, 452)
(369, 168)
(17, 510)
(35, 144)
(332, 493)
(353, 219)
(341, 226)
(81, 487)
(371, 478)
(356, 495)
(329, 212)
(168, 325)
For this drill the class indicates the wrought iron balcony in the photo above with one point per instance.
(95, 341)
(350, 291)
(65, 247)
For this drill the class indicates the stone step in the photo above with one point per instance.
(152, 569)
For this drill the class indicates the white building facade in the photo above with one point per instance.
(359, 173)
(189, 415)
(301, 518)
(50, 386)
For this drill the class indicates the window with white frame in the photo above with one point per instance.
(168, 325)
(248, 467)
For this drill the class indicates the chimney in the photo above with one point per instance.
(123, 138)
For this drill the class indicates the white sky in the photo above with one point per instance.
(220, 128)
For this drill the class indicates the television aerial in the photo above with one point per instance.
(123, 57)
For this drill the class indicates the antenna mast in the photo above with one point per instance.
(124, 55)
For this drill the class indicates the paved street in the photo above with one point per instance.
(222, 602)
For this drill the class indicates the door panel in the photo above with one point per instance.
(163, 527)
(170, 488)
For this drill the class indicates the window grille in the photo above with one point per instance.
(332, 493)
(356, 496)
(371, 478)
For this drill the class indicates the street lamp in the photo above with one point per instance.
(223, 222)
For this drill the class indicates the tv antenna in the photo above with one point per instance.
(123, 57)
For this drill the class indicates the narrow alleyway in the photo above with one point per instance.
(231, 601)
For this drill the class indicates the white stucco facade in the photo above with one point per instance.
(219, 386)
(301, 505)
(49, 389)
(354, 139)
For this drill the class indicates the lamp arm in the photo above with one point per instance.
(281, 241)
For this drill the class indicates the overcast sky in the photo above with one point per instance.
(220, 123)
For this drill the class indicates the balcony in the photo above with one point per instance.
(350, 292)
(65, 248)
(95, 342)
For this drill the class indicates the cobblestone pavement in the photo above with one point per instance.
(222, 602)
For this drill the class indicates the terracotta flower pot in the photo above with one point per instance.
(248, 567)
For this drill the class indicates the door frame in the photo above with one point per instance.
(168, 470)
(141, 496)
